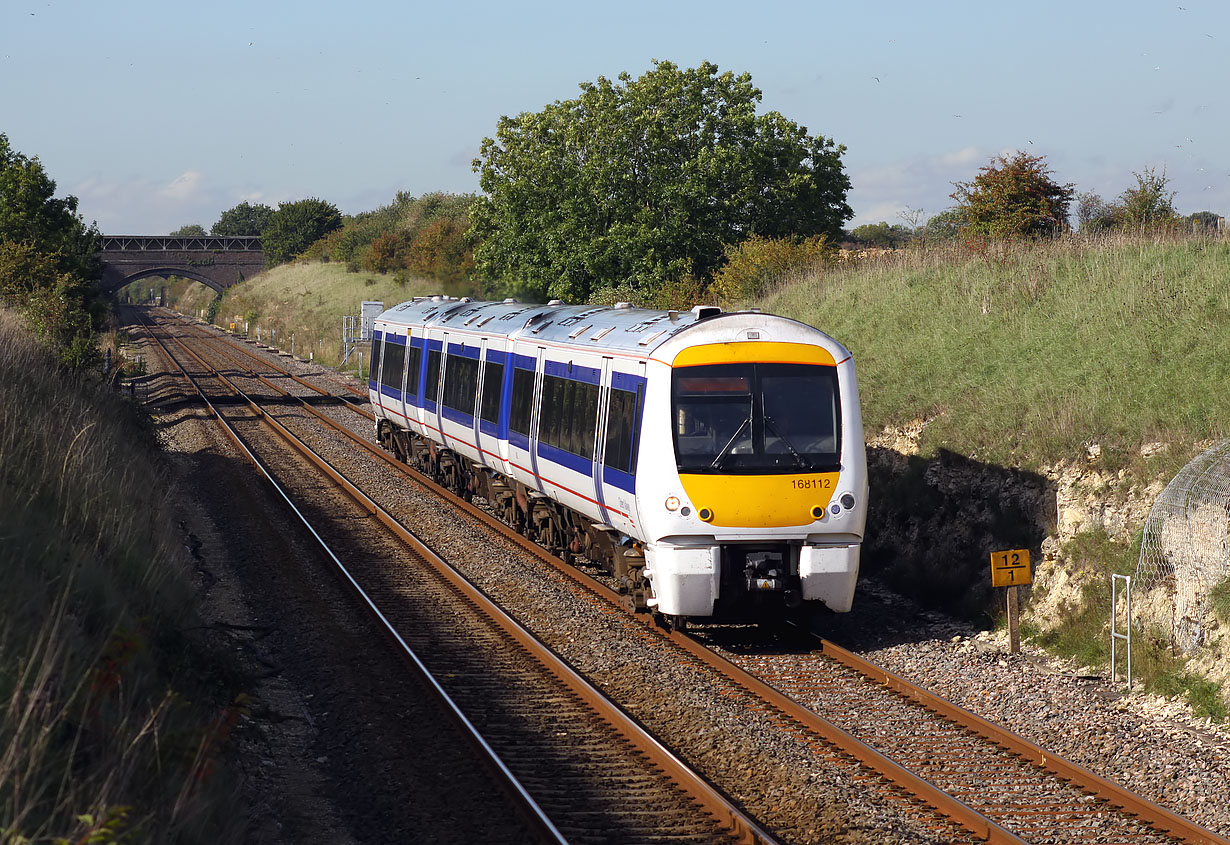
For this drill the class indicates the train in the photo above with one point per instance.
(712, 462)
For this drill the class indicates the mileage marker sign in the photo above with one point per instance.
(1010, 568)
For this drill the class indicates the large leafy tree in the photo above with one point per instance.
(31, 213)
(243, 219)
(295, 226)
(646, 181)
(1014, 196)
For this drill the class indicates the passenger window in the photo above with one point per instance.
(432, 389)
(493, 391)
(522, 401)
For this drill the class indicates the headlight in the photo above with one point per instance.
(847, 501)
(672, 503)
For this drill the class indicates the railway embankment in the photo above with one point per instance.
(113, 706)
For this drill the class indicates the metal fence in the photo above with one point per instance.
(1185, 551)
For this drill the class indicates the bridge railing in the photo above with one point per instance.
(154, 243)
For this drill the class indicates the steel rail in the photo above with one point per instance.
(707, 796)
(1161, 818)
(347, 401)
(527, 807)
(1081, 777)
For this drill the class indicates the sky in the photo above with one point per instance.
(161, 114)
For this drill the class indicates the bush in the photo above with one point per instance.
(1014, 197)
(755, 265)
(1149, 205)
(386, 253)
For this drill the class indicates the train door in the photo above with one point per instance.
(536, 406)
(481, 441)
(434, 357)
(604, 392)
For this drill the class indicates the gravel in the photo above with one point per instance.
(1152, 747)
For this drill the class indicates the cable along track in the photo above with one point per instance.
(543, 730)
(997, 786)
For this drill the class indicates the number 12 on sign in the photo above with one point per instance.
(1010, 568)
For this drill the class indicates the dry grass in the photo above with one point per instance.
(96, 735)
(303, 302)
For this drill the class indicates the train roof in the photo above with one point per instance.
(619, 326)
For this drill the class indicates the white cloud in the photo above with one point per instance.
(185, 187)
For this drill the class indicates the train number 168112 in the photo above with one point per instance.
(812, 483)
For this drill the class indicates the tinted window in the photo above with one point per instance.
(522, 401)
(623, 430)
(569, 413)
(431, 390)
(412, 370)
(394, 362)
(493, 391)
(375, 357)
(756, 418)
(460, 383)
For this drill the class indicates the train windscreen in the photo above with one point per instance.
(756, 418)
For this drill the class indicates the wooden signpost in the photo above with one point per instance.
(1011, 569)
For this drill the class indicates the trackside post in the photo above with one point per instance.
(1010, 569)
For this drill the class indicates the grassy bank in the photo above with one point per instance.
(302, 302)
(109, 713)
(1026, 354)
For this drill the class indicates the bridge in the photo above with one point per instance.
(217, 262)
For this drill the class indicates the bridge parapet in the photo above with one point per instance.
(207, 243)
(216, 261)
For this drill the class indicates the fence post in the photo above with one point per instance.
(1115, 634)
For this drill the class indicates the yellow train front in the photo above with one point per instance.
(752, 485)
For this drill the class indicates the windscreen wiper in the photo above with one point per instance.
(802, 462)
(721, 456)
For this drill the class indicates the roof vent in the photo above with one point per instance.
(466, 299)
(555, 302)
(620, 306)
(510, 301)
(704, 312)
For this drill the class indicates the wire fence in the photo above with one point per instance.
(1185, 551)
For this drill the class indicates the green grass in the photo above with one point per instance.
(304, 301)
(105, 704)
(1024, 354)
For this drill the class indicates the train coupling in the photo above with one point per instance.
(765, 571)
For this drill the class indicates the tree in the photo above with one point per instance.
(946, 225)
(1094, 214)
(881, 234)
(645, 181)
(30, 213)
(295, 226)
(1149, 205)
(243, 219)
(192, 230)
(1014, 196)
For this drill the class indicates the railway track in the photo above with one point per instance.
(928, 756)
(577, 768)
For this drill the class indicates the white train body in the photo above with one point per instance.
(714, 461)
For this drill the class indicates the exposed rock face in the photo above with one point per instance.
(934, 522)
